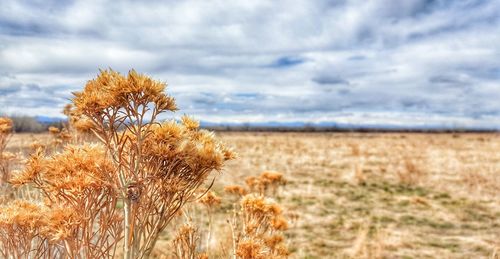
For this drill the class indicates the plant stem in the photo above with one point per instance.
(127, 248)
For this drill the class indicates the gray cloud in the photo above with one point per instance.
(245, 60)
(330, 80)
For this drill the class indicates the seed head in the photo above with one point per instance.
(111, 90)
(210, 199)
(54, 130)
(75, 169)
(5, 125)
(250, 249)
(279, 223)
(235, 189)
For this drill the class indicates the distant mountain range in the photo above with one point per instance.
(312, 126)
(48, 120)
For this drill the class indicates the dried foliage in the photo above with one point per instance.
(258, 222)
(5, 132)
(211, 201)
(236, 190)
(80, 203)
(261, 223)
(7, 159)
(20, 231)
(186, 241)
(136, 180)
(159, 166)
(268, 181)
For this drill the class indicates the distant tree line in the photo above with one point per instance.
(31, 124)
(313, 128)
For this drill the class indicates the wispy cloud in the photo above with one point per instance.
(264, 60)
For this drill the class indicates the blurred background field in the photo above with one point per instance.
(368, 195)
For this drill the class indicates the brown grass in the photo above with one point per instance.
(343, 203)
(381, 195)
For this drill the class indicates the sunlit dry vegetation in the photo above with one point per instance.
(116, 181)
(366, 195)
(342, 203)
(115, 194)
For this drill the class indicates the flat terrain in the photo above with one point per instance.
(364, 195)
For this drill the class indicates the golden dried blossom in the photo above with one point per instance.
(235, 189)
(210, 199)
(5, 125)
(272, 177)
(259, 205)
(61, 223)
(251, 249)
(21, 215)
(273, 241)
(197, 150)
(68, 110)
(54, 130)
(8, 156)
(279, 223)
(266, 180)
(190, 123)
(33, 168)
(111, 90)
(75, 169)
(83, 125)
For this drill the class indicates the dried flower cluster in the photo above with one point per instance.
(210, 200)
(79, 127)
(186, 241)
(258, 225)
(5, 132)
(159, 166)
(267, 181)
(123, 191)
(262, 224)
(60, 137)
(6, 158)
(79, 213)
(235, 190)
(19, 231)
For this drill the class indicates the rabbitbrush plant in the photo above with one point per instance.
(136, 180)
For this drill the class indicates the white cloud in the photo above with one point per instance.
(261, 60)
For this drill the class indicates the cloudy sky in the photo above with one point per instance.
(412, 62)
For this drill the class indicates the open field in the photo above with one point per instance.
(364, 195)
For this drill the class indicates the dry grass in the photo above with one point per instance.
(381, 195)
(367, 195)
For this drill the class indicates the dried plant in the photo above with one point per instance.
(235, 190)
(159, 166)
(268, 181)
(5, 132)
(60, 137)
(257, 229)
(186, 241)
(7, 159)
(80, 128)
(54, 130)
(80, 201)
(355, 149)
(210, 200)
(411, 174)
(136, 180)
(20, 232)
